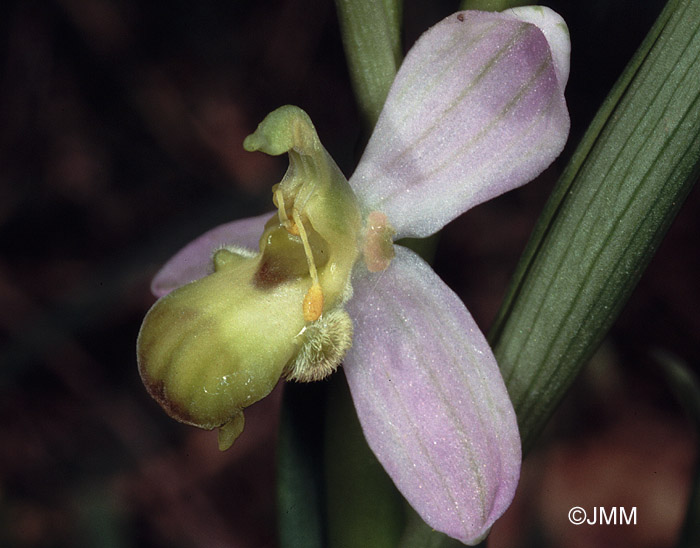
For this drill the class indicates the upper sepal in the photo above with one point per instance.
(476, 109)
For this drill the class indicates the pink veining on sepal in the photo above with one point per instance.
(430, 398)
(476, 109)
(194, 261)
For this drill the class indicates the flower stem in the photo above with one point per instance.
(685, 385)
(371, 39)
(364, 506)
(299, 477)
(491, 5)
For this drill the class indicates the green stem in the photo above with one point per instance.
(364, 507)
(300, 486)
(685, 385)
(492, 5)
(371, 38)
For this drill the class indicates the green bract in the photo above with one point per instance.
(217, 345)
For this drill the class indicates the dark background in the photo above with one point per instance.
(121, 125)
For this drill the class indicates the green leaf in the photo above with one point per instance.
(605, 219)
(371, 38)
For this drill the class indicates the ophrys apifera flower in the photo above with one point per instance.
(476, 109)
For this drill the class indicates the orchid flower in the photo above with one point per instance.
(476, 109)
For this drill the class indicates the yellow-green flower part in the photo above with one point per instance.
(214, 346)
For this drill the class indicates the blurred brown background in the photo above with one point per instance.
(121, 125)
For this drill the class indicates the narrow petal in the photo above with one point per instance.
(476, 109)
(430, 398)
(194, 261)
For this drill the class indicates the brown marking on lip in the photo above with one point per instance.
(271, 273)
(175, 410)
